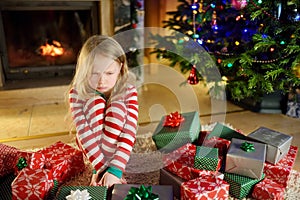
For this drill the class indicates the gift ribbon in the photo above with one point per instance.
(141, 193)
(248, 147)
(173, 119)
(21, 163)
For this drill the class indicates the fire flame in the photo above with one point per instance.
(54, 49)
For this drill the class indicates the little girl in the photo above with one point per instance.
(104, 108)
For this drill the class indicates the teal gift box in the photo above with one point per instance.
(207, 158)
(223, 131)
(240, 186)
(168, 138)
(95, 192)
(278, 144)
(246, 158)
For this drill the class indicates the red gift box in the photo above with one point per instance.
(184, 154)
(268, 190)
(205, 188)
(220, 143)
(64, 160)
(33, 160)
(280, 173)
(33, 184)
(7, 157)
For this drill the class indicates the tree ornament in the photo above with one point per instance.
(193, 79)
(239, 4)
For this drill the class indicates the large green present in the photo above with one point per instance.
(207, 158)
(223, 131)
(95, 192)
(240, 186)
(170, 135)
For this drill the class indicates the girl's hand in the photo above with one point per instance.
(95, 179)
(109, 180)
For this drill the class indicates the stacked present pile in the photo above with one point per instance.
(37, 175)
(224, 162)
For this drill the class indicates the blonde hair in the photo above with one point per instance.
(98, 44)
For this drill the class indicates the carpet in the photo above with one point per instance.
(145, 164)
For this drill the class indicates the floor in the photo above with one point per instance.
(36, 117)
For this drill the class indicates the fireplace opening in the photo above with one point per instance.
(43, 39)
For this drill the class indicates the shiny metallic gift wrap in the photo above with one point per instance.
(278, 144)
(243, 162)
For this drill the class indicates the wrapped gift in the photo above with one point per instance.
(246, 158)
(220, 143)
(33, 184)
(7, 157)
(64, 160)
(278, 144)
(207, 158)
(280, 173)
(33, 160)
(223, 131)
(95, 192)
(268, 190)
(125, 191)
(205, 187)
(172, 134)
(240, 186)
(168, 178)
(5, 186)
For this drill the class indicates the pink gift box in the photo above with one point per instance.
(64, 160)
(33, 184)
(7, 157)
(268, 190)
(204, 188)
(280, 173)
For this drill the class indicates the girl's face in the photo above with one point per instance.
(105, 74)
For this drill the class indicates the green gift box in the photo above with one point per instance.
(95, 192)
(240, 186)
(207, 158)
(225, 132)
(168, 138)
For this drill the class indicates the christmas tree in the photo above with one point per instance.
(254, 43)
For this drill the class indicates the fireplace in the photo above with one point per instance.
(41, 39)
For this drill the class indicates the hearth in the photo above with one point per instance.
(41, 39)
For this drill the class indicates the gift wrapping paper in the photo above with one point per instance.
(220, 143)
(278, 144)
(168, 178)
(268, 190)
(96, 192)
(7, 157)
(207, 158)
(64, 160)
(280, 173)
(246, 163)
(240, 186)
(33, 160)
(167, 138)
(33, 184)
(223, 131)
(205, 188)
(164, 192)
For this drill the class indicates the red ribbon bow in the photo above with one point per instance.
(174, 119)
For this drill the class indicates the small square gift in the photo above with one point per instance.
(207, 158)
(64, 160)
(205, 188)
(246, 158)
(240, 186)
(278, 144)
(82, 192)
(175, 130)
(268, 190)
(33, 184)
(134, 191)
(220, 143)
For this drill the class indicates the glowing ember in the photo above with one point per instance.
(54, 49)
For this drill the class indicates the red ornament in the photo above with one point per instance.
(134, 25)
(193, 79)
(239, 4)
(173, 119)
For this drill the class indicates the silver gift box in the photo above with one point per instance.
(250, 164)
(278, 144)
